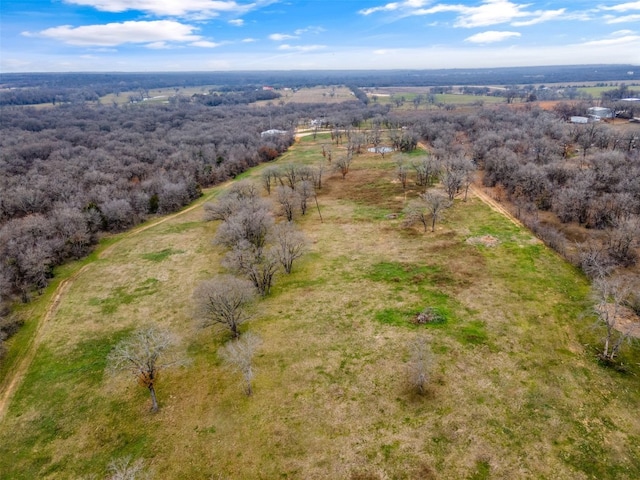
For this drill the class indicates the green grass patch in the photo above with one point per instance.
(161, 255)
(125, 296)
(405, 273)
(472, 333)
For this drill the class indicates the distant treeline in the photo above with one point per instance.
(33, 88)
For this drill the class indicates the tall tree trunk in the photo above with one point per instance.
(154, 400)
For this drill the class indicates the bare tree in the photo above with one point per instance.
(427, 169)
(269, 178)
(594, 260)
(420, 364)
(427, 210)
(251, 222)
(342, 164)
(402, 173)
(257, 266)
(238, 354)
(240, 194)
(622, 240)
(414, 213)
(289, 244)
(145, 354)
(287, 198)
(610, 296)
(454, 174)
(291, 174)
(304, 191)
(223, 301)
(126, 469)
(316, 176)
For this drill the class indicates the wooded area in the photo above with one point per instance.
(72, 172)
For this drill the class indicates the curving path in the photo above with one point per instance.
(15, 376)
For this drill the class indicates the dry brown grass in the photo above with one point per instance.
(515, 392)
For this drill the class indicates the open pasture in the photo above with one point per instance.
(515, 391)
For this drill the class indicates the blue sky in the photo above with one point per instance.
(202, 35)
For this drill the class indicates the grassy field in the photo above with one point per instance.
(440, 98)
(516, 389)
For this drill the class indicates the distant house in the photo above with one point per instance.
(579, 119)
(273, 132)
(600, 112)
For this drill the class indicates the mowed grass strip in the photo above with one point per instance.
(515, 391)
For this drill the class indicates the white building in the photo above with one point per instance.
(600, 112)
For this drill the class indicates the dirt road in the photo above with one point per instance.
(15, 376)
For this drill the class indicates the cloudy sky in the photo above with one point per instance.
(200, 35)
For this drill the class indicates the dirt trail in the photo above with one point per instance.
(477, 191)
(15, 376)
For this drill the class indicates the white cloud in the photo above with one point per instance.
(623, 7)
(488, 12)
(541, 16)
(624, 19)
(238, 22)
(301, 48)
(113, 34)
(616, 40)
(280, 37)
(393, 6)
(158, 46)
(491, 12)
(203, 8)
(316, 30)
(491, 37)
(205, 44)
(389, 7)
(249, 40)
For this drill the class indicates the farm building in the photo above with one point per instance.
(577, 119)
(273, 131)
(600, 112)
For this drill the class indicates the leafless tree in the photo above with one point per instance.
(420, 364)
(427, 169)
(343, 164)
(304, 191)
(289, 244)
(402, 173)
(452, 181)
(427, 210)
(258, 266)
(269, 178)
(622, 241)
(145, 354)
(239, 195)
(291, 174)
(610, 294)
(223, 301)
(238, 354)
(126, 469)
(288, 199)
(316, 176)
(414, 213)
(594, 260)
(250, 222)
